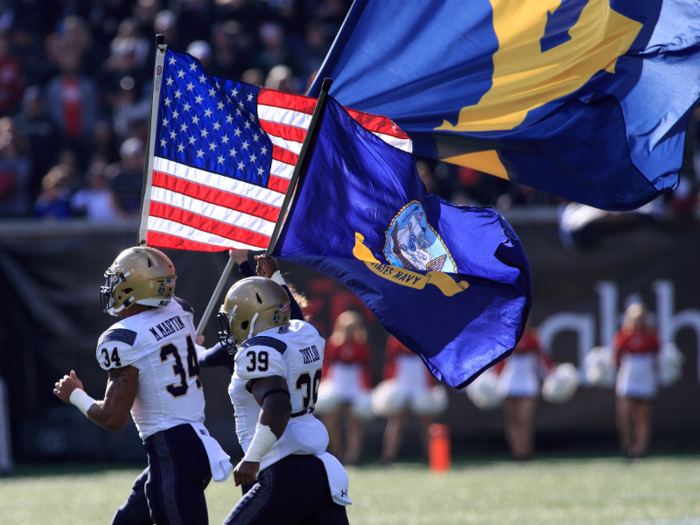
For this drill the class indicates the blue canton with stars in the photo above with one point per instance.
(210, 122)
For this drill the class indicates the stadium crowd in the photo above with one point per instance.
(76, 82)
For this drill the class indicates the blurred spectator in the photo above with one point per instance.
(55, 197)
(103, 142)
(274, 52)
(145, 12)
(72, 101)
(315, 49)
(253, 76)
(96, 201)
(635, 347)
(15, 171)
(11, 77)
(230, 49)
(519, 385)
(201, 50)
(166, 24)
(126, 177)
(346, 367)
(77, 38)
(27, 48)
(414, 381)
(129, 37)
(281, 79)
(194, 19)
(41, 132)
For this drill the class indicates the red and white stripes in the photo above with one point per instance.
(193, 209)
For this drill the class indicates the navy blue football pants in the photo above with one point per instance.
(171, 489)
(293, 491)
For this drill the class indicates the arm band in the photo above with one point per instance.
(83, 401)
(262, 442)
(274, 391)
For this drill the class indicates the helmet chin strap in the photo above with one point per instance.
(252, 325)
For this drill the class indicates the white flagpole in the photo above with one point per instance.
(151, 144)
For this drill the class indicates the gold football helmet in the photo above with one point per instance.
(252, 305)
(140, 275)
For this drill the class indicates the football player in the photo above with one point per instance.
(286, 474)
(152, 368)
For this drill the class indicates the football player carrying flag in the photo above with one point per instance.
(151, 361)
(276, 371)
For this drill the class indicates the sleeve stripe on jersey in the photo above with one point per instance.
(262, 340)
(118, 334)
(185, 305)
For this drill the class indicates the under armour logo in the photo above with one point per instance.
(343, 493)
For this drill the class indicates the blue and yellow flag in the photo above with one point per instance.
(452, 283)
(585, 99)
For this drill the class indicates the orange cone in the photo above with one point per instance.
(439, 448)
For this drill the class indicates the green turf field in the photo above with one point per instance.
(656, 491)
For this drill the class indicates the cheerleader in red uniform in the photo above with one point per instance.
(412, 379)
(635, 347)
(346, 366)
(519, 385)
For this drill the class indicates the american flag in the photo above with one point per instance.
(223, 156)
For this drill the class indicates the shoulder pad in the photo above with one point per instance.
(263, 340)
(115, 353)
(185, 305)
(256, 361)
(123, 335)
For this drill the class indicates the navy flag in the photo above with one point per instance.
(452, 283)
(585, 99)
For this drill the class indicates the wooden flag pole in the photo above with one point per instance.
(151, 143)
(297, 169)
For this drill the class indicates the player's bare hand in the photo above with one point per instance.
(266, 267)
(64, 387)
(239, 256)
(199, 340)
(245, 472)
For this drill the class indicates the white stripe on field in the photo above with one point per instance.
(287, 117)
(220, 182)
(212, 211)
(188, 233)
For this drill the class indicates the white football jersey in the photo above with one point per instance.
(295, 352)
(160, 343)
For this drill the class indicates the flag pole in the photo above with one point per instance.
(283, 210)
(323, 95)
(215, 296)
(151, 142)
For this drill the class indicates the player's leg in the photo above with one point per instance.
(331, 514)
(135, 511)
(179, 473)
(289, 492)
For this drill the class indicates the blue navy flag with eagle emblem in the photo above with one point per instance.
(452, 283)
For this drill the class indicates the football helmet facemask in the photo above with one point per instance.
(140, 275)
(252, 305)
